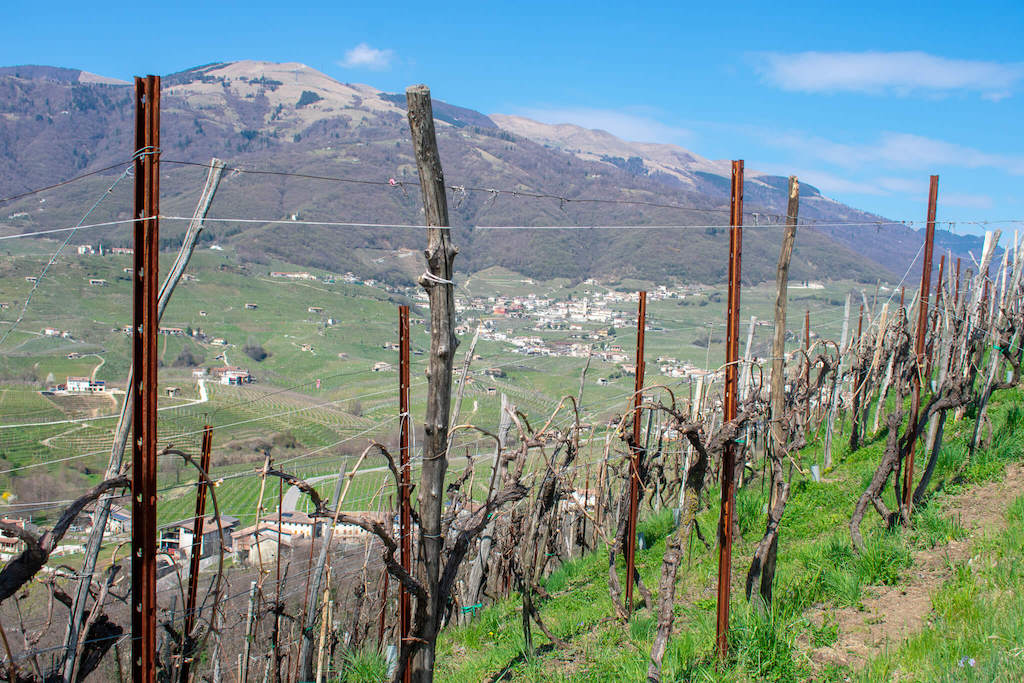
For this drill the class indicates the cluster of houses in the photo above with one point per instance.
(54, 332)
(229, 375)
(348, 278)
(260, 541)
(244, 544)
(85, 249)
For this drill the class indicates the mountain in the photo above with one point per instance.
(57, 123)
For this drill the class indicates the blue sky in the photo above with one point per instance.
(864, 100)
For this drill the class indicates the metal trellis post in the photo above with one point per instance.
(730, 408)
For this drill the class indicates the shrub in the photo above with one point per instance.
(307, 97)
(187, 359)
(255, 351)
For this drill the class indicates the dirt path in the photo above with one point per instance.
(888, 614)
(98, 366)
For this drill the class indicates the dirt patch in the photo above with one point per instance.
(888, 614)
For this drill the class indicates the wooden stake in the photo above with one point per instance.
(437, 281)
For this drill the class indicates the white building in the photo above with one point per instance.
(85, 385)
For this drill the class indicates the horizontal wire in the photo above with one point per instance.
(65, 182)
(52, 231)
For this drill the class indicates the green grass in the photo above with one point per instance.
(976, 632)
(817, 566)
(363, 666)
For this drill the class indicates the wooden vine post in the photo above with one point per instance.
(437, 281)
(405, 480)
(728, 479)
(762, 569)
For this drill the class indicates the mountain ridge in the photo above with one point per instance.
(291, 118)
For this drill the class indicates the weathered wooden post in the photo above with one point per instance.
(762, 568)
(437, 281)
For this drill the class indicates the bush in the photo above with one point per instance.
(255, 351)
(285, 440)
(307, 97)
(187, 359)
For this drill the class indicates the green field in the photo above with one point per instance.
(310, 430)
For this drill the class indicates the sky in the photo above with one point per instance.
(862, 100)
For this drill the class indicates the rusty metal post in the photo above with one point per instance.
(634, 460)
(922, 329)
(730, 408)
(197, 551)
(145, 323)
(405, 504)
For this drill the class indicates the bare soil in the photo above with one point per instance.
(888, 614)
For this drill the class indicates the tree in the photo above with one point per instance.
(187, 359)
(255, 351)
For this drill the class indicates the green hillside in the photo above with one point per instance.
(971, 611)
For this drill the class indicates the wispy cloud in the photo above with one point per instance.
(832, 184)
(633, 126)
(829, 183)
(363, 56)
(899, 73)
(896, 150)
(967, 200)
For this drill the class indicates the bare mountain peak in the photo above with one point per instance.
(58, 74)
(284, 97)
(600, 145)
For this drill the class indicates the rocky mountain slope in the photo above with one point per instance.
(57, 123)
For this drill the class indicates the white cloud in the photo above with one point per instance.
(362, 56)
(896, 150)
(830, 184)
(900, 73)
(635, 127)
(969, 201)
(915, 189)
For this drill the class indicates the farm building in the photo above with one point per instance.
(345, 531)
(229, 374)
(84, 385)
(119, 519)
(9, 545)
(178, 537)
(259, 543)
